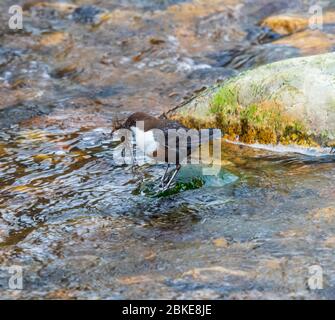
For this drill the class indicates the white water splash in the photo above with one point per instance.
(279, 148)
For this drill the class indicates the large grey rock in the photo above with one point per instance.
(288, 102)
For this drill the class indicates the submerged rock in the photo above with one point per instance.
(21, 112)
(58, 6)
(285, 24)
(7, 55)
(300, 32)
(252, 56)
(50, 39)
(290, 24)
(88, 14)
(287, 102)
(309, 42)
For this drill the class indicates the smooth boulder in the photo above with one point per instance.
(290, 102)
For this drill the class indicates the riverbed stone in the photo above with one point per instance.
(53, 38)
(309, 41)
(58, 6)
(285, 24)
(88, 14)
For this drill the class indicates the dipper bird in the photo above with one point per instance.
(154, 138)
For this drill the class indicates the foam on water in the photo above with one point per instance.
(309, 151)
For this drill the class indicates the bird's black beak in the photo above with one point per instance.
(116, 125)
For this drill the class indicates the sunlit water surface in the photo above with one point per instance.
(77, 222)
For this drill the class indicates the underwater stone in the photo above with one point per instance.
(285, 24)
(7, 55)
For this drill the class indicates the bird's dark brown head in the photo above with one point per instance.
(131, 121)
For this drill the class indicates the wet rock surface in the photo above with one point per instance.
(72, 219)
(87, 14)
(288, 102)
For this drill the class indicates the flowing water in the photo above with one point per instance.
(81, 225)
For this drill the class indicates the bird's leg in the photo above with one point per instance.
(134, 163)
(167, 186)
(165, 174)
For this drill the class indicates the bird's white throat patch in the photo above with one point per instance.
(145, 140)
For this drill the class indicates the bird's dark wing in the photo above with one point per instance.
(178, 142)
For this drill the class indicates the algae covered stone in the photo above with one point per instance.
(288, 102)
